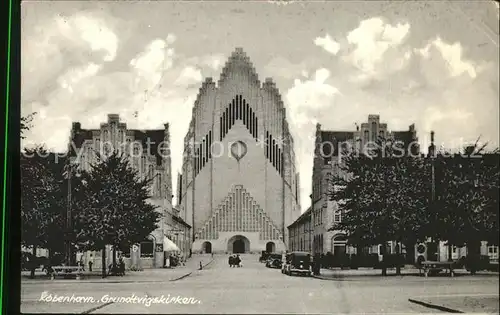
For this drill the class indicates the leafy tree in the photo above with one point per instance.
(40, 202)
(25, 123)
(384, 199)
(113, 207)
(466, 208)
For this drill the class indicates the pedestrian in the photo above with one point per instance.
(90, 265)
(121, 266)
(230, 260)
(238, 261)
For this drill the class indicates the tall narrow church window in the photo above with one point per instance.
(210, 144)
(267, 144)
(274, 154)
(207, 145)
(233, 105)
(195, 163)
(248, 116)
(250, 119)
(252, 123)
(226, 122)
(244, 117)
(204, 152)
(366, 137)
(256, 128)
(201, 157)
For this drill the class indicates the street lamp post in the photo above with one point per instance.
(432, 154)
(68, 245)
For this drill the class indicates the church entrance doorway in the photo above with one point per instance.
(270, 247)
(238, 244)
(238, 247)
(207, 248)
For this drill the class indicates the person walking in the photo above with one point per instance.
(90, 265)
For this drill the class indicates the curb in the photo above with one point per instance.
(123, 281)
(96, 308)
(191, 272)
(436, 307)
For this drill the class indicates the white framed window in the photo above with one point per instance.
(337, 217)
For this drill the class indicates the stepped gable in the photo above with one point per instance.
(334, 137)
(239, 212)
(236, 62)
(270, 86)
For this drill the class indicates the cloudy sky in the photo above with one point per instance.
(434, 64)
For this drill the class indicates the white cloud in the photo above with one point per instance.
(312, 94)
(153, 91)
(328, 44)
(54, 46)
(150, 64)
(91, 30)
(308, 101)
(452, 54)
(372, 39)
(188, 76)
(75, 75)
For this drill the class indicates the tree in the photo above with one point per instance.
(466, 210)
(112, 206)
(40, 212)
(384, 199)
(25, 123)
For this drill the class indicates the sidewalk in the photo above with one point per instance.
(147, 275)
(357, 274)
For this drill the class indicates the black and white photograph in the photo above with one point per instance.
(259, 157)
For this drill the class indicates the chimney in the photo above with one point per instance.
(432, 147)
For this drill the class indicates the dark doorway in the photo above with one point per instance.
(238, 247)
(207, 247)
(270, 247)
(339, 250)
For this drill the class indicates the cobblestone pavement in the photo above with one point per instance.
(254, 289)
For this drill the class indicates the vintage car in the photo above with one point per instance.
(274, 261)
(298, 263)
(264, 256)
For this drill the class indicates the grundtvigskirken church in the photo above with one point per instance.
(239, 187)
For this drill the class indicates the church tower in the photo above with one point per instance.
(239, 185)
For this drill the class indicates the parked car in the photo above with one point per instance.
(274, 261)
(264, 256)
(298, 263)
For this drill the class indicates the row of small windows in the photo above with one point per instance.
(366, 134)
(274, 153)
(203, 153)
(238, 109)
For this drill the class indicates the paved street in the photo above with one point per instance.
(254, 289)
